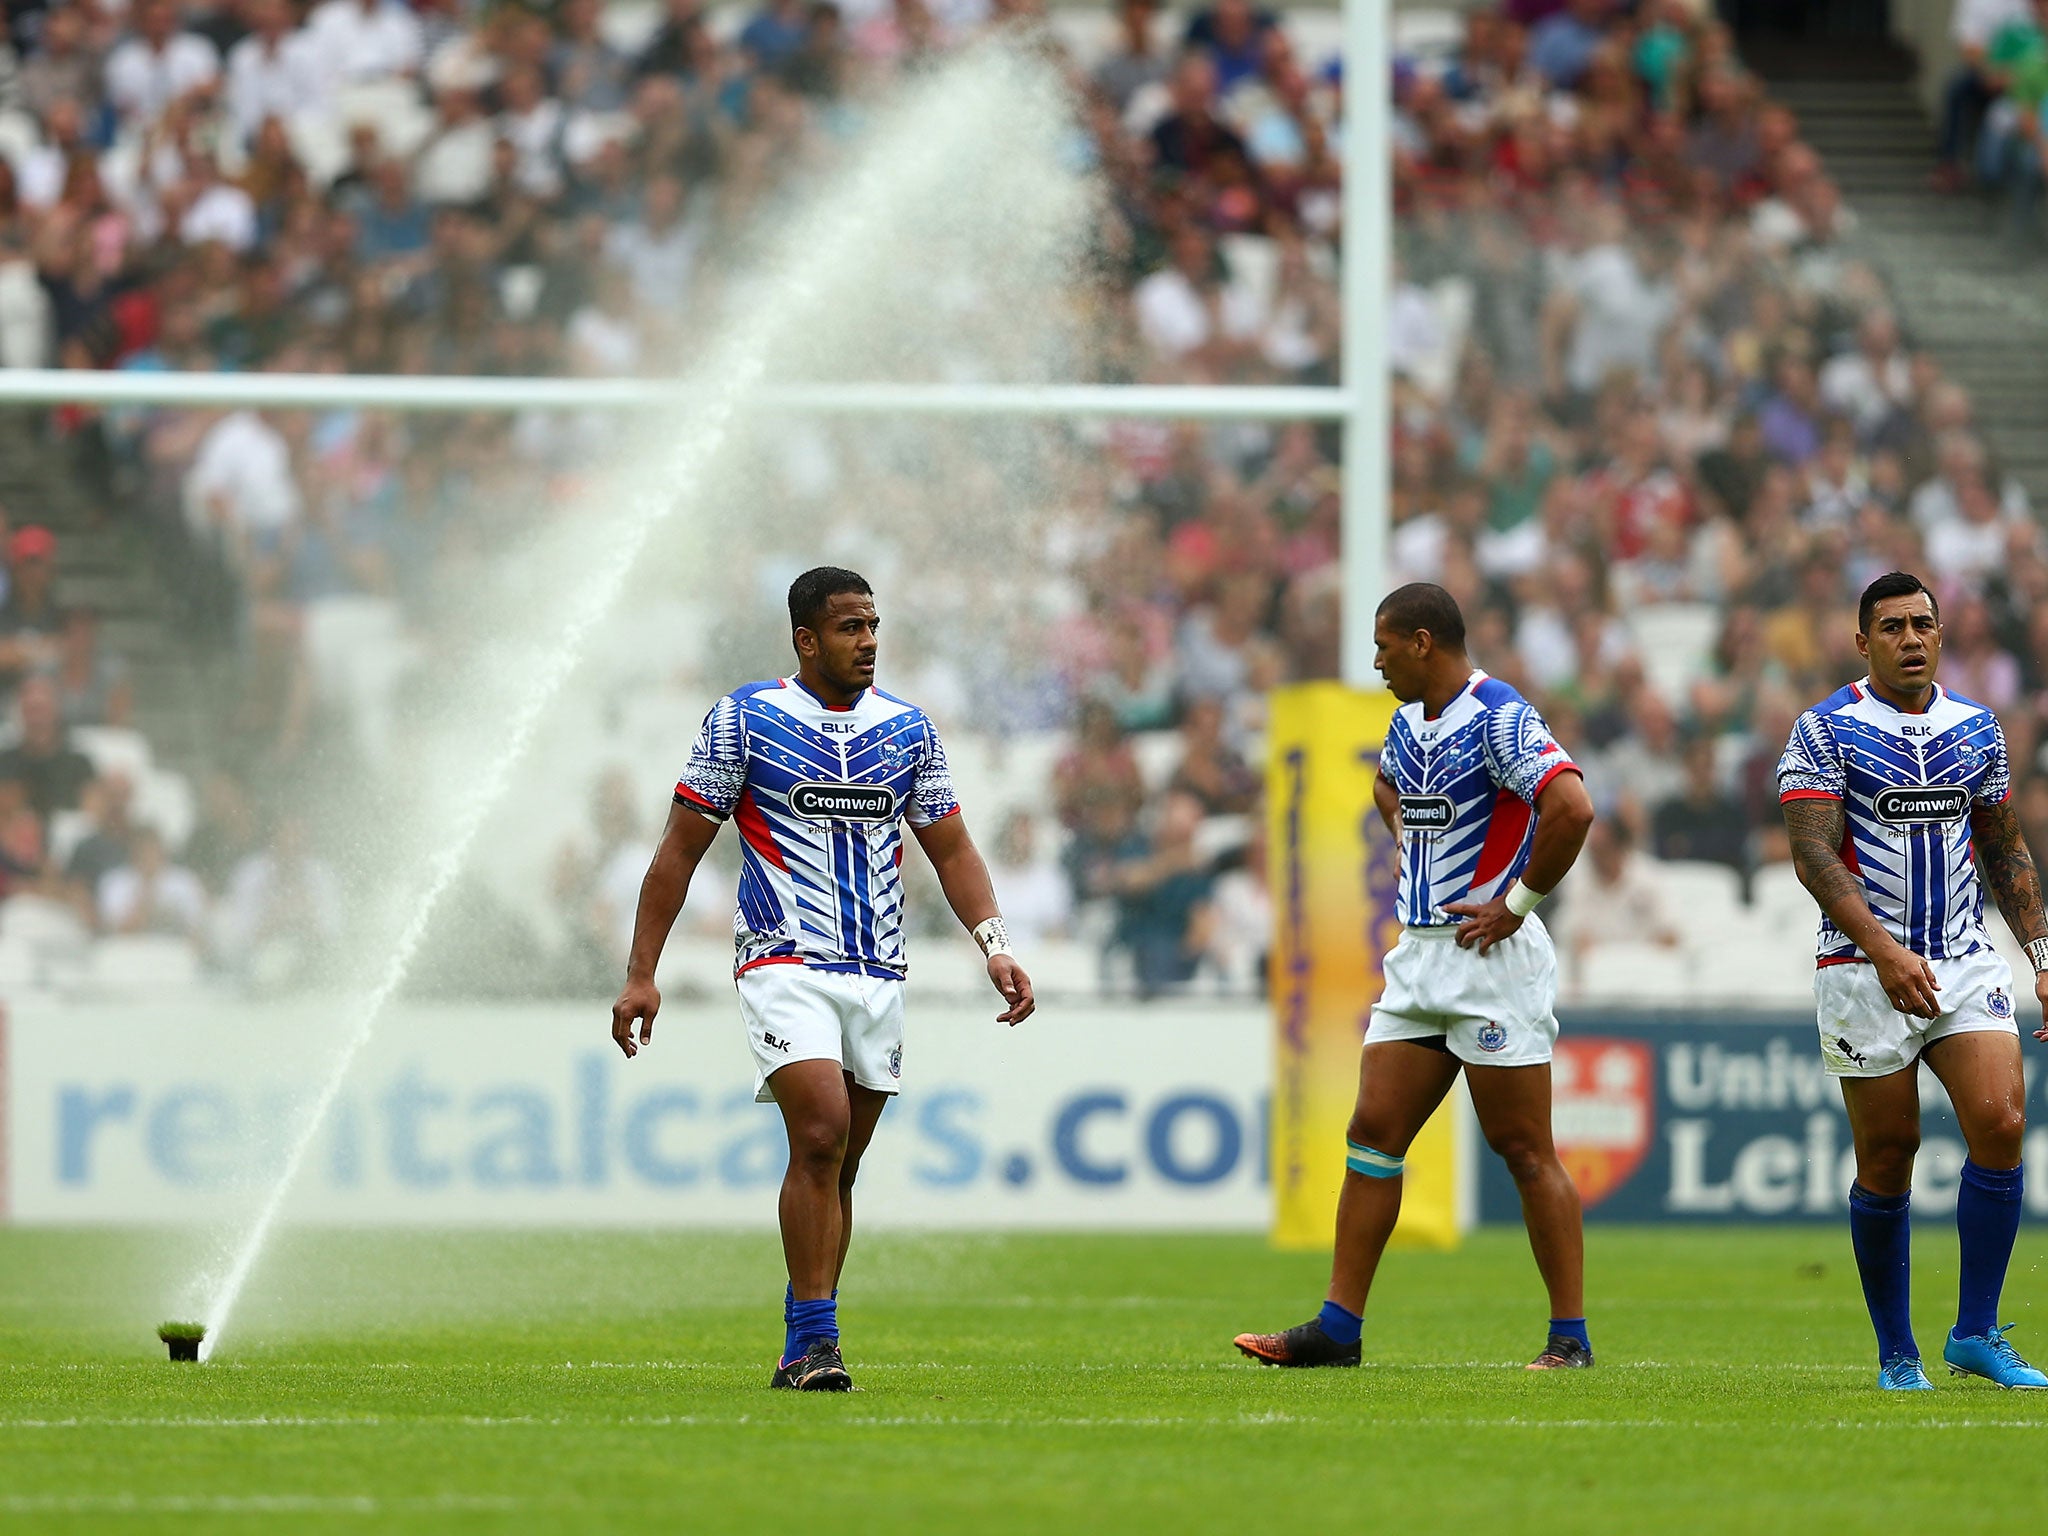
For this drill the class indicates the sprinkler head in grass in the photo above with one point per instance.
(182, 1339)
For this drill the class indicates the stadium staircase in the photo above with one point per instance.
(1961, 289)
(109, 559)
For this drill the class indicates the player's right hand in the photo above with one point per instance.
(1908, 980)
(637, 1000)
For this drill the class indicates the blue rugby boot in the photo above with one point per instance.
(1989, 1356)
(1902, 1373)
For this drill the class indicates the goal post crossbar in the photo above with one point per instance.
(413, 392)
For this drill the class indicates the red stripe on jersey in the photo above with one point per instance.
(1504, 834)
(1567, 766)
(753, 965)
(754, 828)
(1821, 965)
(684, 792)
(1805, 794)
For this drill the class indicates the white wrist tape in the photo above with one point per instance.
(993, 938)
(1522, 901)
(2037, 951)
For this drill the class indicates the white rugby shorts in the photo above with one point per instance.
(1492, 1010)
(1863, 1035)
(796, 1013)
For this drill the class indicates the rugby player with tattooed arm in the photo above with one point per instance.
(1897, 796)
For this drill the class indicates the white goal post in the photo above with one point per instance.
(1360, 403)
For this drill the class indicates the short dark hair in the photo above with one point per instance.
(810, 592)
(1425, 605)
(1892, 584)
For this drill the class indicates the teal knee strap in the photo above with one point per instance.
(1374, 1165)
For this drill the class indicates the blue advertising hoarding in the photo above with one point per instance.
(1703, 1117)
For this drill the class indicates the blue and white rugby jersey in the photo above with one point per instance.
(1468, 782)
(1907, 784)
(817, 792)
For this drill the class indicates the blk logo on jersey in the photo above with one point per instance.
(1427, 813)
(819, 800)
(1910, 805)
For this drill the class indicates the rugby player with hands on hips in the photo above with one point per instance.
(818, 771)
(1489, 812)
(1896, 793)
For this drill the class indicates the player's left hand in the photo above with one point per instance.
(1487, 922)
(1015, 986)
(2041, 996)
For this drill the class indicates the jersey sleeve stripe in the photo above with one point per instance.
(696, 802)
(1567, 766)
(1807, 794)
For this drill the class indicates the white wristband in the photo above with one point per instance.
(2037, 951)
(1522, 901)
(993, 938)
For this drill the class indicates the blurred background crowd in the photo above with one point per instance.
(1656, 424)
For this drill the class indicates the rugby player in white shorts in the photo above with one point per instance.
(818, 770)
(1490, 813)
(1896, 793)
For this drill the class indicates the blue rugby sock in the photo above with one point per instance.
(1987, 1220)
(789, 1333)
(1342, 1326)
(1571, 1328)
(814, 1320)
(1883, 1239)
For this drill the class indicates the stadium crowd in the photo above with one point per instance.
(1994, 113)
(1655, 421)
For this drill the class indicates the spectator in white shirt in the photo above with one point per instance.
(659, 249)
(273, 72)
(1977, 542)
(216, 210)
(1612, 898)
(454, 165)
(1035, 895)
(602, 338)
(283, 909)
(1871, 383)
(149, 894)
(363, 40)
(25, 311)
(531, 123)
(157, 64)
(1184, 309)
(1961, 460)
(40, 171)
(241, 486)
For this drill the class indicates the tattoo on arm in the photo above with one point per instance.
(2009, 870)
(1816, 828)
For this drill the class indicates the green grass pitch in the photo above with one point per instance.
(594, 1382)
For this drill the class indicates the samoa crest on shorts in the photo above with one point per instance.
(1998, 1005)
(1492, 1037)
(896, 1061)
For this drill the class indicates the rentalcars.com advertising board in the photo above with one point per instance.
(1093, 1117)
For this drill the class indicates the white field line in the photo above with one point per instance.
(780, 1425)
(241, 1504)
(1025, 1367)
